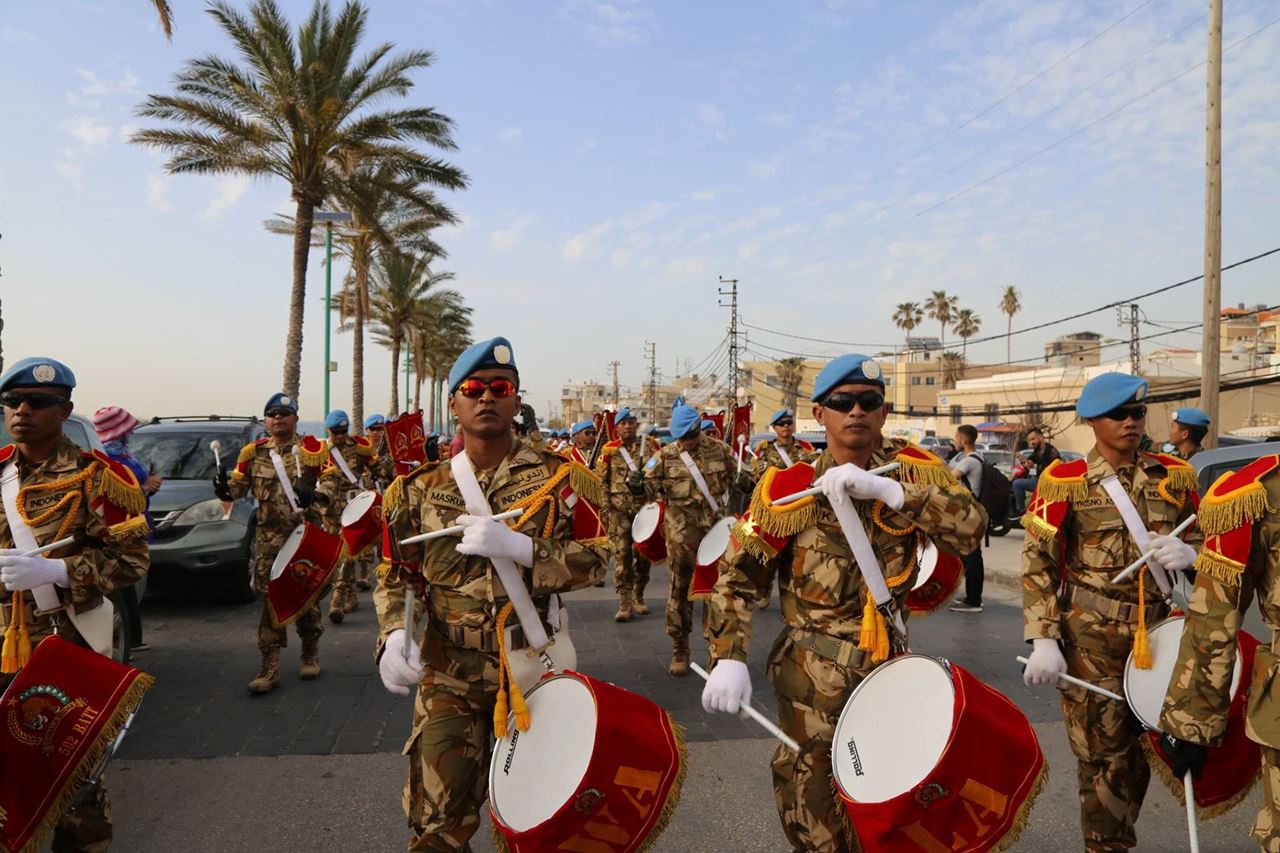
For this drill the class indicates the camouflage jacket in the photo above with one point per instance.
(255, 475)
(612, 470)
(767, 455)
(1090, 544)
(820, 586)
(95, 499)
(463, 591)
(334, 487)
(1195, 708)
(667, 479)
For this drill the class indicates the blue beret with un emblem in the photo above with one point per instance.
(708, 424)
(779, 415)
(623, 414)
(337, 419)
(580, 426)
(374, 420)
(683, 420)
(35, 372)
(495, 352)
(1107, 391)
(846, 370)
(1191, 416)
(281, 400)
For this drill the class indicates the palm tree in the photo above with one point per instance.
(907, 316)
(942, 308)
(306, 110)
(401, 283)
(1010, 304)
(442, 330)
(952, 368)
(790, 375)
(164, 11)
(967, 325)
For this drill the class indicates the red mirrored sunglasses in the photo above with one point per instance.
(474, 388)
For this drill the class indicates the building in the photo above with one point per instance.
(1248, 330)
(581, 400)
(1081, 349)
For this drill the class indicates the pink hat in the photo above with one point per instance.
(113, 423)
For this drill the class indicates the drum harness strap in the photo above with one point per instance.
(626, 457)
(342, 464)
(277, 462)
(1133, 522)
(699, 480)
(786, 460)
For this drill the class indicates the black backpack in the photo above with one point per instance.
(996, 490)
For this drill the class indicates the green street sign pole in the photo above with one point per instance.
(328, 306)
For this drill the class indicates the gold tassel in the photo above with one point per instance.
(9, 656)
(923, 474)
(868, 641)
(881, 651)
(1068, 489)
(586, 484)
(1141, 641)
(1037, 528)
(508, 686)
(24, 640)
(521, 710)
(1219, 567)
(1182, 478)
(500, 711)
(129, 528)
(392, 497)
(785, 520)
(247, 453)
(1217, 516)
(123, 493)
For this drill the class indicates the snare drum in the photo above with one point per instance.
(600, 769)
(1229, 769)
(362, 522)
(938, 579)
(300, 572)
(913, 759)
(706, 563)
(647, 531)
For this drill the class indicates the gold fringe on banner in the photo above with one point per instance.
(393, 497)
(1174, 784)
(129, 528)
(785, 520)
(1037, 528)
(1218, 515)
(125, 494)
(1219, 567)
(586, 485)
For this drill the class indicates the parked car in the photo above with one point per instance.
(939, 444)
(199, 539)
(1212, 464)
(999, 457)
(128, 614)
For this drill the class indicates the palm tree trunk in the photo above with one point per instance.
(435, 418)
(1008, 342)
(394, 408)
(302, 221)
(361, 261)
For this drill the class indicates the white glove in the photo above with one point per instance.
(400, 675)
(1045, 664)
(19, 572)
(728, 688)
(843, 481)
(1171, 553)
(485, 537)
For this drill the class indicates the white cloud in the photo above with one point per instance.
(624, 22)
(506, 239)
(686, 267)
(647, 215)
(157, 188)
(226, 193)
(578, 245)
(511, 134)
(94, 86)
(764, 168)
(778, 120)
(87, 129)
(704, 195)
(15, 36)
(621, 258)
(709, 117)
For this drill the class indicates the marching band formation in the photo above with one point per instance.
(1134, 589)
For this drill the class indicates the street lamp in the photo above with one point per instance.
(328, 217)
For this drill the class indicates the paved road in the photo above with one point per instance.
(315, 765)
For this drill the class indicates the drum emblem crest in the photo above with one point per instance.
(587, 800)
(302, 568)
(929, 793)
(35, 715)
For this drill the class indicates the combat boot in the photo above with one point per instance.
(269, 677)
(350, 601)
(679, 666)
(336, 613)
(624, 606)
(638, 607)
(310, 669)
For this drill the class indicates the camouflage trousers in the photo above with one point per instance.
(1111, 769)
(811, 690)
(630, 570)
(1266, 829)
(309, 625)
(345, 598)
(450, 746)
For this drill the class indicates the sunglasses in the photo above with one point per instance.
(374, 429)
(34, 399)
(1123, 413)
(280, 413)
(473, 389)
(844, 402)
(785, 423)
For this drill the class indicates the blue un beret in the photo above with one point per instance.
(1109, 390)
(708, 424)
(779, 415)
(683, 420)
(1191, 416)
(623, 414)
(337, 419)
(495, 352)
(677, 402)
(36, 372)
(580, 426)
(845, 370)
(374, 420)
(281, 400)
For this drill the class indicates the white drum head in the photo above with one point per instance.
(646, 522)
(534, 773)
(894, 729)
(927, 557)
(716, 542)
(287, 550)
(357, 507)
(1145, 689)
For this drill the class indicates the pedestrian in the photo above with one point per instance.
(818, 660)
(1088, 519)
(619, 458)
(1042, 453)
(457, 668)
(349, 468)
(1187, 431)
(110, 551)
(967, 465)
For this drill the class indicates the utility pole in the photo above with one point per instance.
(613, 366)
(732, 293)
(651, 353)
(1210, 346)
(1135, 348)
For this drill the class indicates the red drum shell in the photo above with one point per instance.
(362, 522)
(935, 587)
(651, 542)
(706, 566)
(301, 570)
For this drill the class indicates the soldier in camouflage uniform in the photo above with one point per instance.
(111, 532)
(1079, 621)
(339, 482)
(275, 518)
(817, 660)
(1241, 561)
(783, 451)
(456, 668)
(690, 513)
(617, 460)
(1187, 430)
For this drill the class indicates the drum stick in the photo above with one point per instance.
(1193, 827)
(216, 447)
(817, 490)
(410, 630)
(748, 712)
(1071, 679)
(457, 529)
(1141, 561)
(52, 546)
(742, 439)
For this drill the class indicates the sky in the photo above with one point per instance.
(836, 157)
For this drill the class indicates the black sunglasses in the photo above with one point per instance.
(1123, 413)
(34, 399)
(280, 413)
(785, 423)
(844, 402)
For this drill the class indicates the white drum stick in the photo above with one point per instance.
(817, 490)
(748, 712)
(457, 529)
(742, 439)
(410, 630)
(216, 446)
(1071, 679)
(1193, 826)
(1141, 561)
(52, 546)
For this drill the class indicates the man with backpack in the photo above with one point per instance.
(993, 494)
